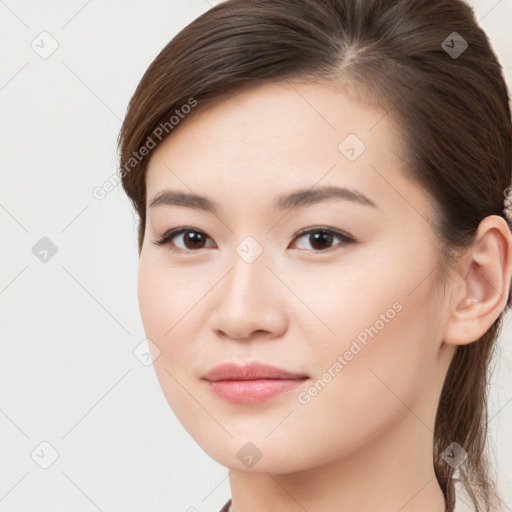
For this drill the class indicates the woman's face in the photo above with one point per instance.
(360, 317)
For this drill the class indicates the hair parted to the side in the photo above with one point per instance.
(453, 116)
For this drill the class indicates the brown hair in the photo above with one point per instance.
(449, 102)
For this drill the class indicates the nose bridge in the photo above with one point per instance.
(247, 301)
(248, 270)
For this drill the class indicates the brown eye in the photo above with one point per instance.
(321, 239)
(192, 239)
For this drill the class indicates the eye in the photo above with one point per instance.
(319, 238)
(193, 239)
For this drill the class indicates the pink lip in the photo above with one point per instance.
(251, 383)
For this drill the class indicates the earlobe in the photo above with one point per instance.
(487, 270)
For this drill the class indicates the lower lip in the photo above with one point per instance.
(251, 391)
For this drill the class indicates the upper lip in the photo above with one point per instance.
(252, 371)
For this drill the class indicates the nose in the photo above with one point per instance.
(249, 302)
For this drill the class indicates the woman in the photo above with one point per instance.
(325, 250)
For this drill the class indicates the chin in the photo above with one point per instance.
(250, 454)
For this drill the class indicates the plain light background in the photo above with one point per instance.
(71, 384)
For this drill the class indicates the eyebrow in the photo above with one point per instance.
(295, 199)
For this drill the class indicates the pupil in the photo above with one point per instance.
(193, 237)
(322, 237)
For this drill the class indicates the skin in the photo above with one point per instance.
(364, 442)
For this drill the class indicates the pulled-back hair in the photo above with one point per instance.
(448, 100)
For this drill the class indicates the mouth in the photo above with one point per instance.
(251, 383)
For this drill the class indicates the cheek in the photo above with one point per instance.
(384, 374)
(162, 306)
(379, 306)
(172, 304)
(379, 317)
(164, 299)
(383, 352)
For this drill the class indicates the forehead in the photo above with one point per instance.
(283, 117)
(278, 137)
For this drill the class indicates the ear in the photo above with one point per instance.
(484, 283)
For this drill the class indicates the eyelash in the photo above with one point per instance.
(167, 237)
